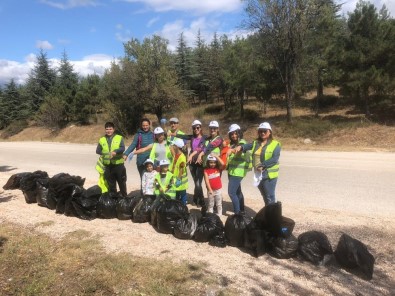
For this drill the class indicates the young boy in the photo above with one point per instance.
(148, 179)
(178, 169)
(212, 178)
(164, 181)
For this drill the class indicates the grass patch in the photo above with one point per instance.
(44, 223)
(34, 264)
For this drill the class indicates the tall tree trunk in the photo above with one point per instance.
(242, 104)
(320, 93)
(290, 91)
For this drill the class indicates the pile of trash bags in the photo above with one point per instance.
(269, 232)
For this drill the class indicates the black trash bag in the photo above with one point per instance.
(255, 239)
(208, 226)
(154, 211)
(235, 227)
(142, 211)
(269, 219)
(86, 203)
(287, 226)
(64, 195)
(14, 182)
(283, 248)
(57, 184)
(313, 246)
(125, 207)
(218, 240)
(168, 213)
(28, 185)
(353, 255)
(77, 193)
(107, 206)
(185, 228)
(42, 192)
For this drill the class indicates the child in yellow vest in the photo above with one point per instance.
(164, 181)
(179, 169)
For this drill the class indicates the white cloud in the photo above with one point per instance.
(92, 64)
(70, 3)
(202, 6)
(349, 6)
(44, 44)
(152, 21)
(171, 31)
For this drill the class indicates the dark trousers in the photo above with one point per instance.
(197, 176)
(116, 173)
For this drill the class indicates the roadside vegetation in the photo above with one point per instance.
(34, 264)
(294, 48)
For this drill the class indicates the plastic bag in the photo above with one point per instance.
(283, 248)
(218, 240)
(235, 227)
(255, 239)
(125, 207)
(185, 228)
(352, 254)
(14, 181)
(142, 211)
(168, 213)
(209, 225)
(313, 246)
(107, 205)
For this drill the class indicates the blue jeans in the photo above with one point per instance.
(235, 194)
(182, 195)
(267, 187)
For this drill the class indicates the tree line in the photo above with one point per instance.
(294, 46)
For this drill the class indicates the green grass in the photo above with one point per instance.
(34, 264)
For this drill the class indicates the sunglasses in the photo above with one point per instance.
(262, 131)
(196, 128)
(172, 122)
(233, 133)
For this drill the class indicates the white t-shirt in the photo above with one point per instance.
(148, 182)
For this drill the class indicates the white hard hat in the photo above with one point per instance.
(196, 122)
(233, 127)
(164, 162)
(211, 158)
(173, 119)
(148, 161)
(265, 125)
(213, 124)
(158, 130)
(178, 142)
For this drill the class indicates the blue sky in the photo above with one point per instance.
(92, 32)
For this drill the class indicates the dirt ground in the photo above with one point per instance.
(235, 268)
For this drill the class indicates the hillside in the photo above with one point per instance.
(339, 129)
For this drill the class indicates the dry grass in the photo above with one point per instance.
(33, 264)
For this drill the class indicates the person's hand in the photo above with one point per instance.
(125, 157)
(199, 160)
(189, 159)
(237, 149)
(210, 192)
(178, 182)
(260, 168)
(230, 151)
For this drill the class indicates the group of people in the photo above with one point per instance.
(163, 155)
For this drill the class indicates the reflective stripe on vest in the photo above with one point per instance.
(176, 172)
(100, 165)
(170, 192)
(237, 164)
(272, 171)
(115, 144)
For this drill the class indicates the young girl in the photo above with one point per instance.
(179, 169)
(148, 179)
(212, 178)
(164, 181)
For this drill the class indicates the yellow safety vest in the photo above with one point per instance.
(175, 168)
(168, 186)
(238, 164)
(272, 171)
(115, 144)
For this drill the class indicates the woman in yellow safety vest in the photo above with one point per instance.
(237, 166)
(213, 143)
(265, 159)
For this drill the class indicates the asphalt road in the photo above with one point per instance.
(352, 182)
